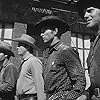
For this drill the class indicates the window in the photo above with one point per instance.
(82, 44)
(6, 32)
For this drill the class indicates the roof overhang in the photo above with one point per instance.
(31, 11)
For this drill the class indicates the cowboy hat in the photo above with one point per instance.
(51, 21)
(6, 48)
(83, 4)
(26, 39)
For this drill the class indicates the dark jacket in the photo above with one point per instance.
(63, 72)
(8, 78)
(93, 62)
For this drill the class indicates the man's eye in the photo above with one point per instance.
(90, 10)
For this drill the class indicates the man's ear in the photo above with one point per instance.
(56, 31)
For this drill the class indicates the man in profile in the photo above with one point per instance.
(8, 72)
(64, 77)
(30, 84)
(90, 11)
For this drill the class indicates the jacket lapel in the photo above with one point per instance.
(91, 53)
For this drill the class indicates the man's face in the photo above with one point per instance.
(92, 17)
(2, 56)
(21, 49)
(47, 35)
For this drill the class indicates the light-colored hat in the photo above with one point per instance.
(51, 21)
(26, 39)
(6, 48)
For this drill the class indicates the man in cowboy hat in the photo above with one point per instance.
(90, 11)
(30, 85)
(63, 73)
(8, 73)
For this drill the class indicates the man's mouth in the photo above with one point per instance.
(43, 38)
(89, 20)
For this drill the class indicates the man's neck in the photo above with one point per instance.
(26, 55)
(55, 40)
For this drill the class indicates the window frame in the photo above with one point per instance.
(83, 48)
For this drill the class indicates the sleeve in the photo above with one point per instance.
(9, 78)
(38, 79)
(86, 93)
(76, 73)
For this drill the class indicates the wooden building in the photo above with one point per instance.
(19, 16)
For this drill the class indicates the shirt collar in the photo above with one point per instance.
(56, 46)
(27, 56)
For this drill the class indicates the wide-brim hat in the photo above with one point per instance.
(51, 21)
(83, 4)
(26, 39)
(6, 48)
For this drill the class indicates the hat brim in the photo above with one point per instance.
(6, 51)
(82, 5)
(25, 42)
(61, 25)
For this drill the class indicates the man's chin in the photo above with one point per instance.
(93, 26)
(45, 41)
(89, 25)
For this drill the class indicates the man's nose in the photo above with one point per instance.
(41, 34)
(86, 15)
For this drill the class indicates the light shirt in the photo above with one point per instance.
(88, 82)
(30, 80)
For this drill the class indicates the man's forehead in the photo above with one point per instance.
(90, 8)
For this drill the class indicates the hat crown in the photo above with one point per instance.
(28, 38)
(53, 22)
(5, 45)
(84, 4)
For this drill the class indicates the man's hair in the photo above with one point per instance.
(8, 57)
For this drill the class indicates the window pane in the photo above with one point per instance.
(80, 41)
(73, 41)
(81, 55)
(86, 55)
(8, 33)
(87, 43)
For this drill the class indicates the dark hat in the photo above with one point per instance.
(83, 4)
(26, 39)
(51, 21)
(6, 48)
